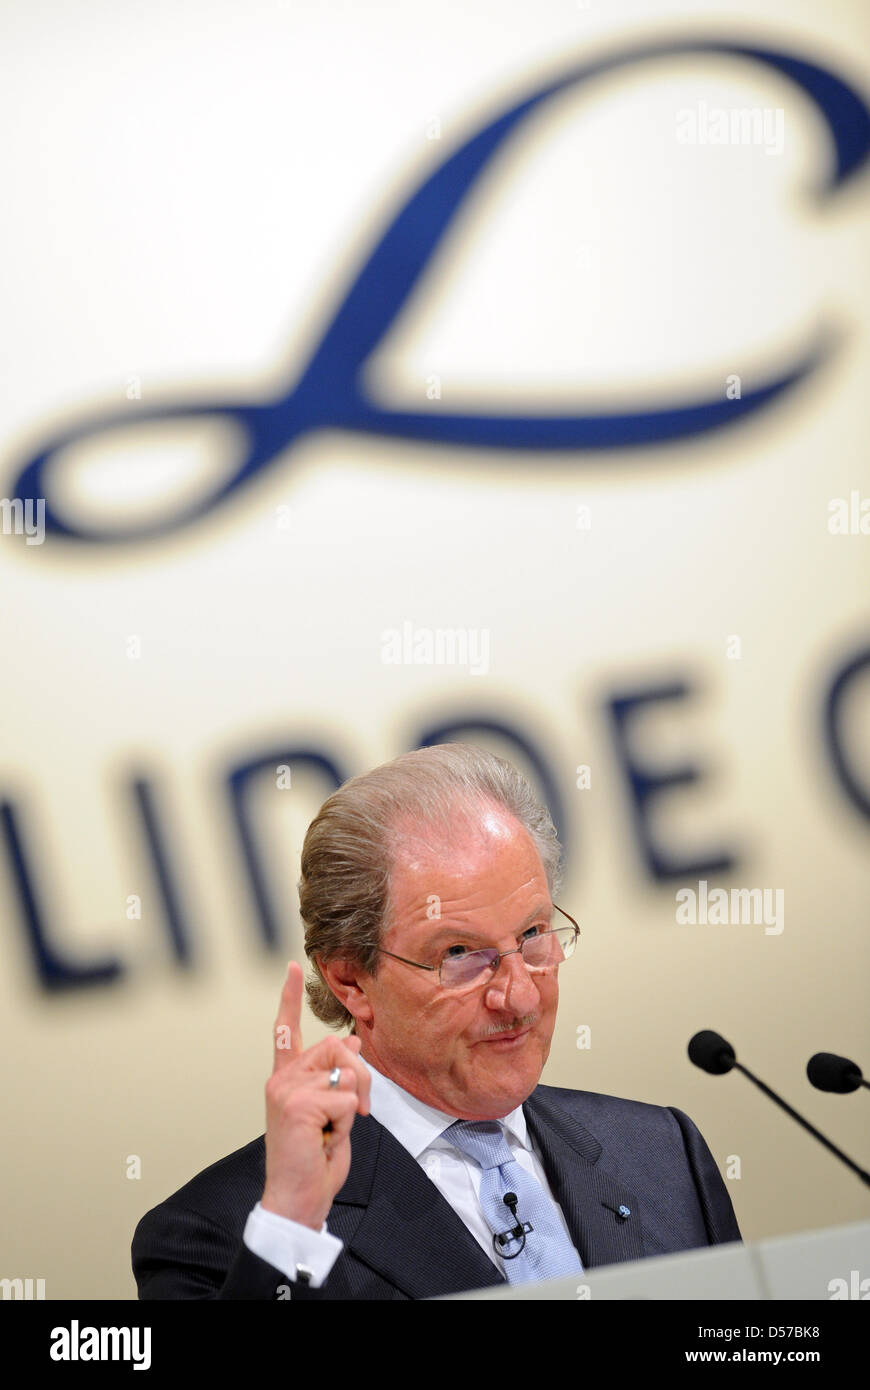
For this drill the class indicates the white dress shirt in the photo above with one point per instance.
(420, 1129)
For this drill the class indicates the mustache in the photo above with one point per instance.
(527, 1021)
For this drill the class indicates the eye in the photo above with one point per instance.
(532, 931)
(456, 951)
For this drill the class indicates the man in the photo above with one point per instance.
(419, 1156)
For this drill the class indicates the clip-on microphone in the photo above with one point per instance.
(518, 1229)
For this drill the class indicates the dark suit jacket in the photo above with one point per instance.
(403, 1240)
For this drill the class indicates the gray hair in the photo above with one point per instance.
(351, 845)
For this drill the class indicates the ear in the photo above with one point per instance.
(349, 983)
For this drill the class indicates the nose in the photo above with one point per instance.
(512, 988)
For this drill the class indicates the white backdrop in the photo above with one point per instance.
(190, 190)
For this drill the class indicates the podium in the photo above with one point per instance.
(812, 1265)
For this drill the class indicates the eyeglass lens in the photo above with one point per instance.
(544, 952)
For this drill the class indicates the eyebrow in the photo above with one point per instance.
(449, 933)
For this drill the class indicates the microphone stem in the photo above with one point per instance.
(865, 1177)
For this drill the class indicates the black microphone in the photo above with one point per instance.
(519, 1228)
(828, 1072)
(710, 1052)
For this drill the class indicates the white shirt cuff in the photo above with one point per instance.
(287, 1244)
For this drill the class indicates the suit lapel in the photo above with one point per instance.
(408, 1233)
(588, 1193)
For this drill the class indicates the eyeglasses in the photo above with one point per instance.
(542, 954)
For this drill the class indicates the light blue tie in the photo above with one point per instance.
(547, 1252)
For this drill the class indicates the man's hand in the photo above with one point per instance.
(306, 1161)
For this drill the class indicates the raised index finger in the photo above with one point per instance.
(288, 1024)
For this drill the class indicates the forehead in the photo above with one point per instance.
(482, 871)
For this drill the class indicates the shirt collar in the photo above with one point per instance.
(417, 1125)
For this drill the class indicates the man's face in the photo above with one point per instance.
(478, 1052)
